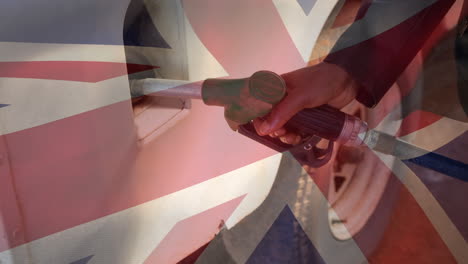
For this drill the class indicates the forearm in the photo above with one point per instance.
(376, 49)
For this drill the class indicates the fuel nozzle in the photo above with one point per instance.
(243, 99)
(246, 99)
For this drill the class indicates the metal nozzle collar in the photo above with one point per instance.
(353, 132)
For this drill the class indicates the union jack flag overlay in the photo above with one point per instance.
(89, 174)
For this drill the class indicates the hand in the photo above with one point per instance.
(308, 87)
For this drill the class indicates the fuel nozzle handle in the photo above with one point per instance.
(244, 99)
(329, 123)
(314, 124)
(248, 98)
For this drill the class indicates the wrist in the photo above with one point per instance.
(345, 88)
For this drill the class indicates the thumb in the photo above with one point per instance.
(281, 113)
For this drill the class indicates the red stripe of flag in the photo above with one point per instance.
(80, 71)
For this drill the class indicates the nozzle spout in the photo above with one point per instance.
(166, 88)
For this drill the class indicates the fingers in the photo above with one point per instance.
(281, 113)
(257, 122)
(278, 133)
(291, 138)
(281, 133)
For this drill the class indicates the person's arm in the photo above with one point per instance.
(376, 49)
(364, 63)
